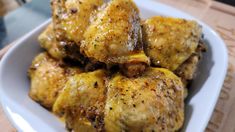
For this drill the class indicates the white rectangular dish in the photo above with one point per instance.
(27, 115)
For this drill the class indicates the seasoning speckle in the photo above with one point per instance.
(95, 85)
(73, 10)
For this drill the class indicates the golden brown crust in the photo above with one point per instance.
(188, 70)
(170, 41)
(59, 49)
(151, 102)
(115, 36)
(82, 101)
(48, 41)
(72, 17)
(48, 79)
(70, 20)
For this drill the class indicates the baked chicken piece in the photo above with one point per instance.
(170, 41)
(82, 102)
(115, 37)
(151, 102)
(58, 49)
(48, 77)
(72, 17)
(48, 41)
(188, 70)
(70, 20)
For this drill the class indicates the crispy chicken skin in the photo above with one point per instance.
(154, 101)
(47, 79)
(82, 101)
(188, 69)
(72, 17)
(151, 102)
(48, 41)
(70, 20)
(170, 41)
(115, 37)
(59, 49)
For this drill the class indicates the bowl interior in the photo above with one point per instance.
(27, 115)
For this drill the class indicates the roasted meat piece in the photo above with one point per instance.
(82, 101)
(48, 41)
(170, 41)
(72, 17)
(115, 37)
(48, 78)
(151, 102)
(70, 20)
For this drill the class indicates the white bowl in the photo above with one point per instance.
(27, 115)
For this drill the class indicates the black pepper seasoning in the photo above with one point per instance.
(73, 10)
(95, 85)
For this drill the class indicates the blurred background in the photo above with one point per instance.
(230, 2)
(17, 17)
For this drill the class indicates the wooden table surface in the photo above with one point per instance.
(221, 18)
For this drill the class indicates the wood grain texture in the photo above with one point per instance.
(4, 123)
(221, 18)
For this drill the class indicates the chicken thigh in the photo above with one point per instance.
(48, 41)
(187, 70)
(48, 78)
(72, 17)
(151, 102)
(57, 49)
(70, 20)
(115, 37)
(170, 41)
(82, 101)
